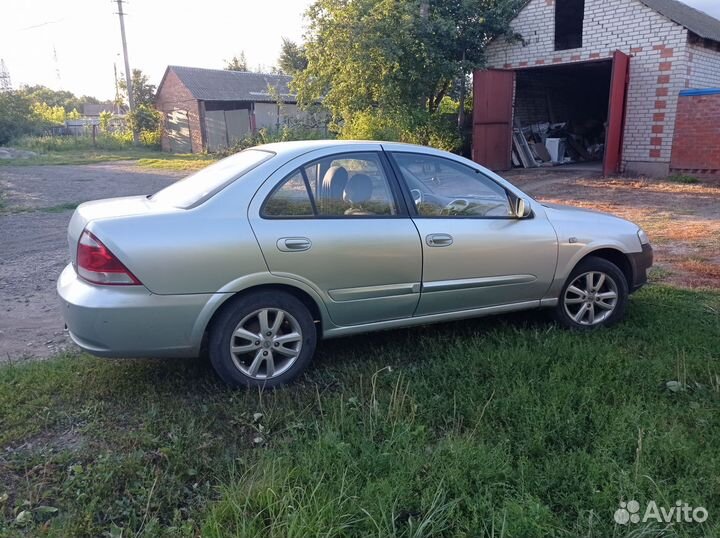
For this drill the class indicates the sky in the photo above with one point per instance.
(72, 45)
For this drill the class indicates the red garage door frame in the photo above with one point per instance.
(493, 100)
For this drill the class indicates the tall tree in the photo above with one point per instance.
(16, 118)
(237, 63)
(143, 91)
(292, 57)
(378, 55)
(460, 30)
(40, 94)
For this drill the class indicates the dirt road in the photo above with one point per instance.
(35, 206)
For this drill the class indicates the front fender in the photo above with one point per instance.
(570, 254)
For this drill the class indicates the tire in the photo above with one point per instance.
(249, 348)
(603, 306)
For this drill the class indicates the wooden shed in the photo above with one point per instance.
(210, 109)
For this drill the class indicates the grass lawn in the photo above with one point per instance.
(504, 427)
(145, 158)
(189, 162)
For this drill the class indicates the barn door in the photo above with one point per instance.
(216, 130)
(616, 113)
(177, 128)
(492, 118)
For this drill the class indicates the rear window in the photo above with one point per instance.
(205, 183)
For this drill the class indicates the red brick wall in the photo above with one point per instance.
(173, 95)
(696, 144)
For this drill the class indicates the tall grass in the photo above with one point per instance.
(102, 142)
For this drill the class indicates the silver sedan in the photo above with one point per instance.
(258, 255)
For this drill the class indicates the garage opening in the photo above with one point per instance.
(561, 113)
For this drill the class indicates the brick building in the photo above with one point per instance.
(209, 109)
(617, 65)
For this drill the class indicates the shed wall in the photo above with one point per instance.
(703, 67)
(174, 96)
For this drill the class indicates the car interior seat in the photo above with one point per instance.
(331, 191)
(357, 193)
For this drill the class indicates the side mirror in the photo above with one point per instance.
(522, 208)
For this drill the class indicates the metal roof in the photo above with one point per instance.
(696, 21)
(223, 85)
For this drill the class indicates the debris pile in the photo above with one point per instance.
(551, 144)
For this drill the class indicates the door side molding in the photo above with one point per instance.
(374, 292)
(469, 283)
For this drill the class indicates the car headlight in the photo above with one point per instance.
(644, 239)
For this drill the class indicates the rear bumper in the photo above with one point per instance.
(640, 262)
(129, 321)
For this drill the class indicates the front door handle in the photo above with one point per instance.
(439, 240)
(293, 244)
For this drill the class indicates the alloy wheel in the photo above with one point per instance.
(266, 343)
(591, 298)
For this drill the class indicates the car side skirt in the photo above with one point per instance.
(336, 332)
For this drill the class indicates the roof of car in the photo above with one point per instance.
(310, 145)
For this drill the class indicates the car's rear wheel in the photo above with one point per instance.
(594, 295)
(264, 339)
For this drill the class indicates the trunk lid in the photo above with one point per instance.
(112, 208)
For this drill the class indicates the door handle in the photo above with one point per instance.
(293, 244)
(439, 240)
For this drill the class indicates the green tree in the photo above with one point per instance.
(144, 118)
(237, 63)
(16, 118)
(54, 98)
(292, 57)
(49, 115)
(143, 91)
(459, 30)
(394, 59)
(105, 118)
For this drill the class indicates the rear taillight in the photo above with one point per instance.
(96, 264)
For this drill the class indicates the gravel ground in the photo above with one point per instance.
(35, 208)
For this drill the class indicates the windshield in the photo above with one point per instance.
(205, 183)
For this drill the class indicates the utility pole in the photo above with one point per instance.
(5, 83)
(117, 90)
(128, 74)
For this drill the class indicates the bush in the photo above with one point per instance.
(286, 133)
(144, 118)
(16, 117)
(682, 178)
(414, 127)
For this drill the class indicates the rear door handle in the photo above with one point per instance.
(294, 244)
(439, 240)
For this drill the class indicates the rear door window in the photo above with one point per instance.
(339, 186)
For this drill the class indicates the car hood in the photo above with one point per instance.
(568, 212)
(587, 227)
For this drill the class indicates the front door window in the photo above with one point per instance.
(444, 188)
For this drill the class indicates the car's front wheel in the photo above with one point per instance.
(594, 295)
(264, 339)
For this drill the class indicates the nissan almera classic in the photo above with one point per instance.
(259, 255)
